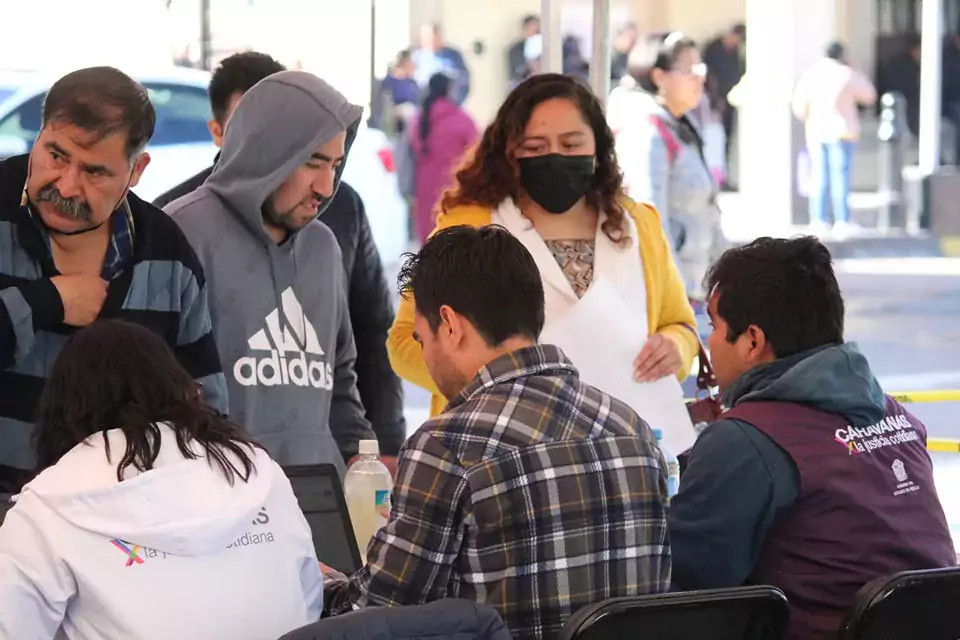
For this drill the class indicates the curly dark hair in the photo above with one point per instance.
(492, 174)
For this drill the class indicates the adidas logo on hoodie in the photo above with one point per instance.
(295, 356)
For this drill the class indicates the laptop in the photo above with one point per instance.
(320, 494)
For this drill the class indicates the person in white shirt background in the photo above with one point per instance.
(152, 517)
(826, 100)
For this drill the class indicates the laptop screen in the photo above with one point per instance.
(320, 494)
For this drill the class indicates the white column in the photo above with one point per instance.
(784, 38)
(931, 61)
(600, 59)
(552, 58)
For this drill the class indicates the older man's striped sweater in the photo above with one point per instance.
(161, 288)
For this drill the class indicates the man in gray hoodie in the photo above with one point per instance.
(277, 287)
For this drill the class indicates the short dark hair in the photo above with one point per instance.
(787, 288)
(530, 19)
(836, 51)
(103, 101)
(912, 41)
(119, 375)
(237, 74)
(485, 274)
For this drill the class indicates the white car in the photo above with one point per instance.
(181, 145)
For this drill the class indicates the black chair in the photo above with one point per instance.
(909, 604)
(742, 613)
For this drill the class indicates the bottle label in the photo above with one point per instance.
(382, 500)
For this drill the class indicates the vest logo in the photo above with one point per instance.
(893, 430)
(899, 472)
(132, 551)
(291, 353)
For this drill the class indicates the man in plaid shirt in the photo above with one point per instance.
(533, 492)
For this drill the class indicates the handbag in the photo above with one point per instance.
(705, 407)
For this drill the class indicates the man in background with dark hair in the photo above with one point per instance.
(518, 66)
(77, 245)
(813, 481)
(434, 56)
(369, 299)
(531, 483)
(725, 67)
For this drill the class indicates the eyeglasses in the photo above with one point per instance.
(698, 70)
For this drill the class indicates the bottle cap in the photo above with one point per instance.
(369, 448)
(657, 433)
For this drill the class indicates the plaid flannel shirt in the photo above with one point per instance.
(533, 493)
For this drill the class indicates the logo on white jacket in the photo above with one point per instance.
(291, 353)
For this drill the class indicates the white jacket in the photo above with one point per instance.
(172, 553)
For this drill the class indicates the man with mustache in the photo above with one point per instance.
(278, 290)
(76, 245)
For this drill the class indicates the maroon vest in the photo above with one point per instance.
(867, 507)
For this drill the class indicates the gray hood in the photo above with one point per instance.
(251, 166)
(279, 311)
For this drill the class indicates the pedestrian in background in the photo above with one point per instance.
(440, 136)
(827, 100)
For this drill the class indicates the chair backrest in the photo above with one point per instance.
(320, 494)
(743, 613)
(909, 604)
(448, 618)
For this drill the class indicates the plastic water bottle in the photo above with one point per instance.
(673, 466)
(367, 489)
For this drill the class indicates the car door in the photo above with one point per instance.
(21, 126)
(181, 145)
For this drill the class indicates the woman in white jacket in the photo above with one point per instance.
(152, 517)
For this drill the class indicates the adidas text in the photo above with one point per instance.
(276, 369)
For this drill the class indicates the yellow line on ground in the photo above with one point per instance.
(950, 246)
(907, 397)
(945, 445)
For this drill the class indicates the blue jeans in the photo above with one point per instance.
(830, 180)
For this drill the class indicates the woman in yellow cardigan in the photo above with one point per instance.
(546, 170)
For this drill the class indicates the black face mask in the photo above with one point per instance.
(555, 181)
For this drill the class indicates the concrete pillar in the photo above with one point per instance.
(784, 38)
(856, 27)
(552, 59)
(931, 68)
(600, 60)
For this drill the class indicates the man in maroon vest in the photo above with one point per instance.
(814, 481)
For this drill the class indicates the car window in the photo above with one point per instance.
(6, 93)
(24, 122)
(182, 113)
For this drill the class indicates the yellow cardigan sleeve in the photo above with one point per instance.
(404, 352)
(668, 308)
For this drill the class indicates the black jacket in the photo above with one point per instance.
(371, 309)
(450, 619)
